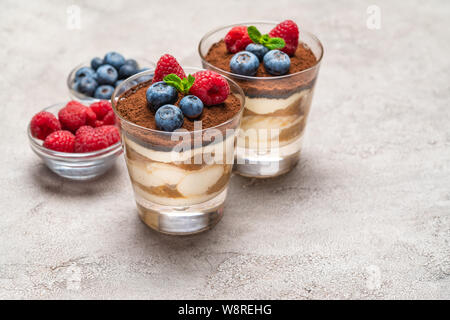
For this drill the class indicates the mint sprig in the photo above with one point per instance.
(264, 39)
(182, 85)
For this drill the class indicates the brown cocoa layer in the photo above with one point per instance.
(132, 106)
(303, 59)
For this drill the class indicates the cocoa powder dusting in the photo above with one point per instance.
(219, 56)
(132, 106)
(304, 59)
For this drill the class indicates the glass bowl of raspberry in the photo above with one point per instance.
(96, 79)
(70, 152)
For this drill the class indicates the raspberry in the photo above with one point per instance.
(111, 132)
(167, 64)
(103, 112)
(287, 30)
(237, 39)
(210, 87)
(44, 123)
(74, 115)
(89, 139)
(61, 140)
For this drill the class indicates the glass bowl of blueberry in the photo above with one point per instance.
(97, 79)
(76, 141)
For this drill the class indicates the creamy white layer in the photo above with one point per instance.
(224, 147)
(268, 105)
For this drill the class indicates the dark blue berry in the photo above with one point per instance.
(104, 92)
(84, 72)
(277, 62)
(258, 50)
(87, 86)
(244, 63)
(159, 94)
(96, 62)
(126, 71)
(117, 83)
(114, 59)
(107, 74)
(133, 63)
(191, 106)
(169, 118)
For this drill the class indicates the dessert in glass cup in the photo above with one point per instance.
(276, 65)
(179, 129)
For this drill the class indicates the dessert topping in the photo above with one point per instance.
(277, 62)
(166, 65)
(237, 39)
(169, 118)
(270, 42)
(159, 94)
(287, 30)
(245, 63)
(191, 106)
(210, 87)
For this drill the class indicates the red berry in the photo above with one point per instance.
(287, 30)
(104, 114)
(73, 116)
(61, 140)
(210, 87)
(84, 130)
(89, 139)
(237, 39)
(167, 64)
(44, 123)
(111, 132)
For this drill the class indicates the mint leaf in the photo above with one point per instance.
(275, 43)
(190, 82)
(182, 85)
(174, 81)
(254, 34)
(264, 39)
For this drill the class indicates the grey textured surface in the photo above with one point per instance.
(366, 214)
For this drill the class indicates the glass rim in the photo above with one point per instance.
(242, 77)
(84, 97)
(180, 133)
(70, 155)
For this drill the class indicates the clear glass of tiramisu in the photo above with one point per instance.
(276, 105)
(179, 177)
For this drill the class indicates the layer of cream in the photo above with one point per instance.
(225, 147)
(267, 105)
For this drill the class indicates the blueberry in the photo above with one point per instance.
(87, 86)
(169, 118)
(104, 92)
(106, 74)
(133, 63)
(159, 94)
(84, 72)
(191, 106)
(257, 49)
(116, 84)
(277, 62)
(127, 70)
(96, 62)
(244, 63)
(114, 59)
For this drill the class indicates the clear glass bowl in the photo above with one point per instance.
(75, 166)
(143, 63)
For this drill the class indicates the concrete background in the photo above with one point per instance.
(366, 214)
